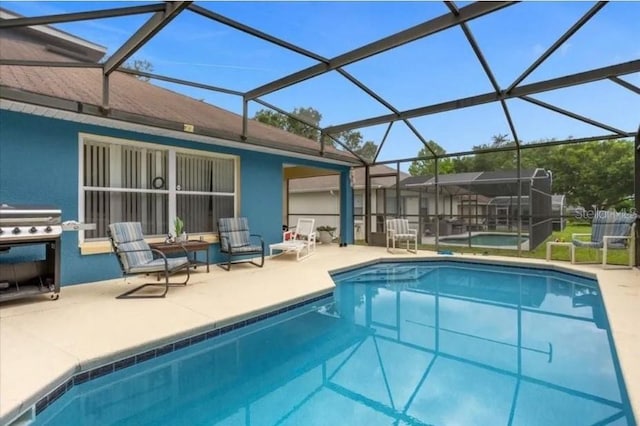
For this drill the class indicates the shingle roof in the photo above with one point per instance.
(507, 175)
(444, 179)
(489, 184)
(16, 46)
(468, 178)
(134, 97)
(414, 180)
(45, 43)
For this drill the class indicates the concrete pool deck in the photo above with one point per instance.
(43, 342)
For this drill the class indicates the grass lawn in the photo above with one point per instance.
(615, 257)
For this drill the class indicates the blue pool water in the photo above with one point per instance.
(430, 343)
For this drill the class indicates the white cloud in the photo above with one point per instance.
(537, 50)
(564, 48)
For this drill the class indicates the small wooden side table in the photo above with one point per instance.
(191, 246)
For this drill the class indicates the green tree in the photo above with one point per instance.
(139, 65)
(533, 158)
(271, 118)
(368, 150)
(309, 115)
(352, 139)
(428, 167)
(500, 160)
(292, 125)
(592, 174)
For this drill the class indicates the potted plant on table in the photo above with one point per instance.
(178, 227)
(326, 233)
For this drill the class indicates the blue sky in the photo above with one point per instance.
(431, 70)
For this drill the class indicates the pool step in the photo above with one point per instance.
(391, 275)
(26, 418)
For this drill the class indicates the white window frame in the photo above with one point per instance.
(171, 190)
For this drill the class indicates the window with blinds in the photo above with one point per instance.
(205, 191)
(121, 182)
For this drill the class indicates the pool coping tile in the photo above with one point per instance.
(94, 373)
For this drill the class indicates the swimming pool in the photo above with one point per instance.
(399, 343)
(487, 239)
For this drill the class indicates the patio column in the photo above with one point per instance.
(346, 208)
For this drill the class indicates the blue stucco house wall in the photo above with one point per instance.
(39, 164)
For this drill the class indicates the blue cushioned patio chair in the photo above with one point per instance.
(609, 230)
(235, 241)
(136, 257)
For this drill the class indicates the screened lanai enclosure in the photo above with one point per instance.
(493, 209)
(431, 88)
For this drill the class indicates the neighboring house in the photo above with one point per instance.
(151, 156)
(482, 201)
(454, 198)
(319, 196)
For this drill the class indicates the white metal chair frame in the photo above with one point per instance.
(398, 230)
(302, 238)
(606, 244)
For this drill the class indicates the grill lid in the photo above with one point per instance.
(22, 214)
(20, 209)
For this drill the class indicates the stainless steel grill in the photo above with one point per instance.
(22, 222)
(25, 268)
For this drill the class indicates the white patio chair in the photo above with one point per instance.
(609, 230)
(301, 240)
(398, 230)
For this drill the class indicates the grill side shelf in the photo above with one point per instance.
(72, 225)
